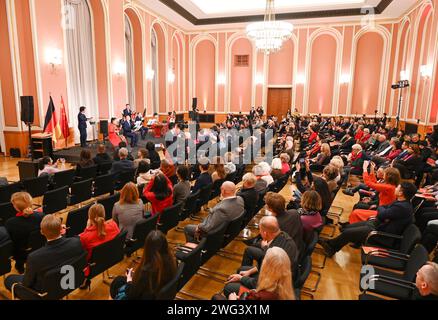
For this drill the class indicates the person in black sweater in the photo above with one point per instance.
(154, 157)
(57, 252)
(101, 156)
(204, 178)
(393, 219)
(21, 226)
(249, 194)
(156, 269)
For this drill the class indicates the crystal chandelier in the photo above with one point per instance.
(270, 34)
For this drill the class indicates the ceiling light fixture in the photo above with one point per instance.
(270, 34)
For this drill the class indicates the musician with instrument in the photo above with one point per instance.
(129, 131)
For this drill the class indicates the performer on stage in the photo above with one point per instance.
(128, 131)
(114, 135)
(127, 111)
(82, 126)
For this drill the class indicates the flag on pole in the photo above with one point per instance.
(63, 121)
(51, 124)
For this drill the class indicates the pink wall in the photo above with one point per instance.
(162, 68)
(205, 60)
(281, 65)
(241, 77)
(322, 76)
(347, 69)
(369, 59)
(117, 30)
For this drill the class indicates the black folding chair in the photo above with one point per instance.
(6, 257)
(52, 283)
(106, 256)
(387, 258)
(7, 211)
(190, 206)
(231, 176)
(108, 204)
(103, 185)
(86, 173)
(216, 189)
(6, 192)
(393, 284)
(63, 178)
(77, 221)
(104, 168)
(55, 200)
(204, 198)
(81, 191)
(141, 231)
(169, 218)
(35, 241)
(36, 187)
(169, 291)
(124, 178)
(192, 261)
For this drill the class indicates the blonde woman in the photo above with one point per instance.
(275, 278)
(323, 158)
(21, 226)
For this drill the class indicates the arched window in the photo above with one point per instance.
(82, 86)
(129, 46)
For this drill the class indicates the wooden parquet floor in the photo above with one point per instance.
(339, 279)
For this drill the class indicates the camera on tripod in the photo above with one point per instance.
(400, 85)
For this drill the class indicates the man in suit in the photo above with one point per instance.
(127, 111)
(393, 219)
(123, 165)
(57, 252)
(128, 132)
(224, 212)
(383, 148)
(82, 126)
(272, 236)
(204, 178)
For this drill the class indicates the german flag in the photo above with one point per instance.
(51, 124)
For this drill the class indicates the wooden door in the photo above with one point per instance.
(279, 101)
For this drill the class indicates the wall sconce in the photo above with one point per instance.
(150, 74)
(426, 71)
(119, 69)
(171, 76)
(259, 79)
(404, 75)
(345, 79)
(301, 79)
(221, 80)
(54, 57)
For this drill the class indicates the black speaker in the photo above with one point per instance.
(195, 104)
(103, 125)
(27, 109)
(411, 128)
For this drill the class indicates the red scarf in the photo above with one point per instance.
(22, 214)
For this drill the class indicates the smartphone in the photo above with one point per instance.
(158, 145)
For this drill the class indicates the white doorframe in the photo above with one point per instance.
(2, 121)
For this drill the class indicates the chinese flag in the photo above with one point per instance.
(63, 121)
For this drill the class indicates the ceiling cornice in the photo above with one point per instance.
(175, 6)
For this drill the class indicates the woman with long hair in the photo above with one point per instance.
(129, 210)
(156, 269)
(21, 226)
(114, 135)
(275, 278)
(159, 192)
(219, 169)
(85, 161)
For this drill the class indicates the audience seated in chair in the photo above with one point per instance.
(46, 166)
(272, 237)
(57, 252)
(182, 189)
(204, 178)
(102, 156)
(274, 281)
(21, 226)
(427, 282)
(129, 209)
(142, 155)
(159, 192)
(85, 161)
(143, 174)
(248, 193)
(156, 268)
(123, 165)
(224, 212)
(393, 219)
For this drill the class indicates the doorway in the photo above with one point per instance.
(279, 101)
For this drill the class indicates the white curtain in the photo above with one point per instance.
(154, 50)
(129, 46)
(81, 63)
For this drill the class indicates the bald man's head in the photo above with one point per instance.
(269, 228)
(427, 279)
(228, 189)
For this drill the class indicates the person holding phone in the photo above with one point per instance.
(156, 269)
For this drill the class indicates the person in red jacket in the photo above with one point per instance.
(386, 190)
(159, 192)
(97, 232)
